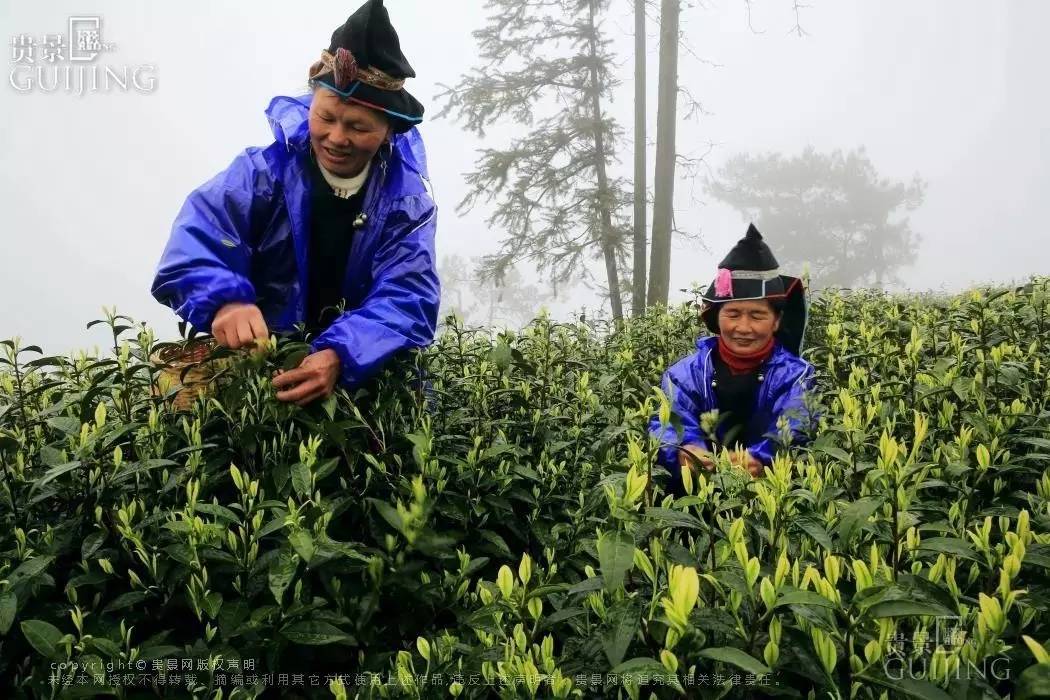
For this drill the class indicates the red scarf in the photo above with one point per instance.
(743, 363)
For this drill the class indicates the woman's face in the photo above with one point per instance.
(746, 326)
(345, 135)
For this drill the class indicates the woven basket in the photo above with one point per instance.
(185, 364)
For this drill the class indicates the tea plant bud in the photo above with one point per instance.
(642, 562)
(768, 593)
(535, 608)
(1023, 524)
(825, 648)
(872, 651)
(991, 614)
(519, 637)
(832, 569)
(912, 539)
(862, 575)
(669, 661)
(423, 646)
(505, 581)
(525, 569)
(455, 689)
(783, 567)
(751, 571)
(975, 573)
(336, 688)
(740, 549)
(235, 474)
(1037, 649)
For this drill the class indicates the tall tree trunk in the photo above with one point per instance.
(667, 103)
(638, 276)
(608, 245)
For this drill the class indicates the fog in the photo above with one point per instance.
(951, 90)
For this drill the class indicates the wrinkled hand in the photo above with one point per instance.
(238, 324)
(690, 455)
(314, 378)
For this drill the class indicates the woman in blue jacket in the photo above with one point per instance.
(331, 227)
(748, 370)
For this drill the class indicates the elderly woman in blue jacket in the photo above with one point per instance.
(330, 228)
(748, 371)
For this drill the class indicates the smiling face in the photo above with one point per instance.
(345, 136)
(746, 326)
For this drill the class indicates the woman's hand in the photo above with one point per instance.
(689, 455)
(314, 378)
(746, 461)
(238, 324)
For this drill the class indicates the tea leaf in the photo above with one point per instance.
(949, 545)
(301, 479)
(736, 657)
(315, 633)
(616, 557)
(91, 544)
(674, 518)
(282, 571)
(44, 637)
(124, 600)
(909, 687)
(54, 473)
(8, 610)
(907, 608)
(303, 543)
(622, 628)
(28, 569)
(853, 518)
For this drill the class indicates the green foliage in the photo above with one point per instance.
(498, 528)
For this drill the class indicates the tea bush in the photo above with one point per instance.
(484, 520)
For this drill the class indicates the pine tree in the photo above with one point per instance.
(546, 66)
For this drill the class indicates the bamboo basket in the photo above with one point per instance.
(185, 364)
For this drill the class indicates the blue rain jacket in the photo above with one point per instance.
(243, 237)
(688, 385)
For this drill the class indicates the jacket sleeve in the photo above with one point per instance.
(788, 401)
(680, 385)
(401, 309)
(206, 261)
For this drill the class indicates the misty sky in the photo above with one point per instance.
(953, 90)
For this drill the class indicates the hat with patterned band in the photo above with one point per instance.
(364, 64)
(751, 272)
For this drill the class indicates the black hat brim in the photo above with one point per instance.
(793, 321)
(402, 109)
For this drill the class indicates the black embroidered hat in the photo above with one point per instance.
(750, 271)
(364, 64)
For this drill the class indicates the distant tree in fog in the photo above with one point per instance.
(481, 299)
(832, 211)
